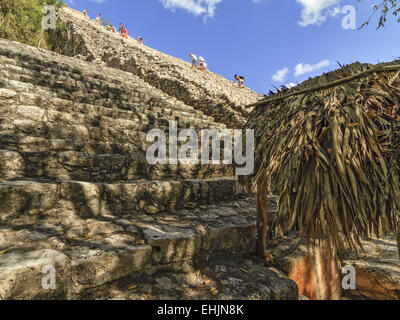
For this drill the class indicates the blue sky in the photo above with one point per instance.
(269, 42)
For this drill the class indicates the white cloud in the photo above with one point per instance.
(290, 85)
(316, 11)
(301, 68)
(280, 75)
(206, 8)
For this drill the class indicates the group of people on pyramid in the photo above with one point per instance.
(199, 63)
(122, 30)
(202, 65)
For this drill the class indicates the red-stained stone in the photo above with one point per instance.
(315, 270)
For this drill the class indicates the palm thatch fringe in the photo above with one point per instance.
(331, 151)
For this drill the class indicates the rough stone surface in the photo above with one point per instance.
(32, 201)
(96, 252)
(314, 269)
(77, 192)
(21, 273)
(222, 278)
(86, 122)
(377, 270)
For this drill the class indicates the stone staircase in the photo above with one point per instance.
(77, 192)
(205, 91)
(63, 122)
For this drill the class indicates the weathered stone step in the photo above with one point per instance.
(26, 143)
(138, 113)
(222, 278)
(141, 123)
(75, 165)
(88, 76)
(67, 131)
(38, 157)
(20, 120)
(30, 201)
(89, 253)
(135, 101)
(31, 150)
(102, 85)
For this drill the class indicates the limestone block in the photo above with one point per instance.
(22, 273)
(85, 197)
(377, 269)
(7, 94)
(26, 200)
(170, 244)
(95, 267)
(101, 228)
(12, 165)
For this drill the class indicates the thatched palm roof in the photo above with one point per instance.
(330, 148)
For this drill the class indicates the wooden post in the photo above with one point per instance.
(398, 239)
(262, 219)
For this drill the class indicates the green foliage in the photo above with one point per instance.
(21, 20)
(384, 9)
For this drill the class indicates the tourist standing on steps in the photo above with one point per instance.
(98, 19)
(193, 60)
(202, 64)
(124, 33)
(86, 13)
(140, 40)
(240, 80)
